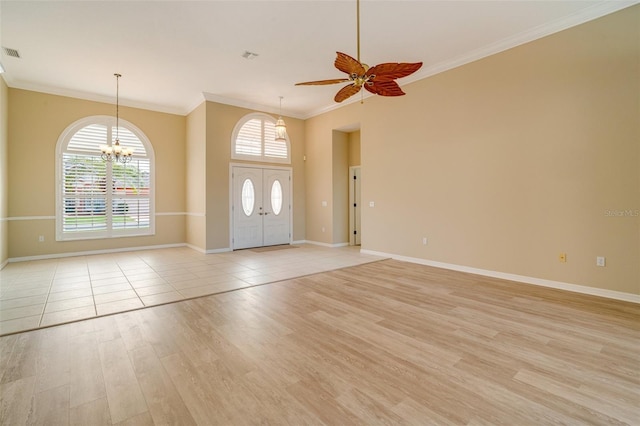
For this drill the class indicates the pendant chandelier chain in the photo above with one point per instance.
(118, 106)
(116, 152)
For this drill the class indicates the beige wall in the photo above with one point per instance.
(354, 148)
(508, 161)
(36, 121)
(221, 120)
(195, 180)
(192, 173)
(319, 168)
(4, 173)
(340, 187)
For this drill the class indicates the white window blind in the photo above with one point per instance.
(249, 140)
(99, 199)
(254, 139)
(273, 148)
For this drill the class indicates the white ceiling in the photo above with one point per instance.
(174, 54)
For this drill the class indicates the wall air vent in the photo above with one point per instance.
(11, 52)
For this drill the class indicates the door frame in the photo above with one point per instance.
(261, 167)
(352, 238)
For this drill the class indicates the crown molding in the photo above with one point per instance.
(588, 14)
(585, 15)
(210, 97)
(86, 96)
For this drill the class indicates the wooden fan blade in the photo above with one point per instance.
(393, 70)
(322, 82)
(347, 92)
(346, 63)
(384, 88)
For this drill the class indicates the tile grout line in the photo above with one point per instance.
(163, 279)
(93, 296)
(46, 300)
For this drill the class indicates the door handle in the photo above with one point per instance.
(266, 213)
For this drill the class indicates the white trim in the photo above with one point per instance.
(352, 201)
(299, 242)
(196, 248)
(318, 243)
(210, 97)
(211, 251)
(92, 252)
(31, 218)
(575, 288)
(53, 217)
(5, 263)
(220, 250)
(182, 110)
(195, 214)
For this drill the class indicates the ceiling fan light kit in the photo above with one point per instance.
(379, 80)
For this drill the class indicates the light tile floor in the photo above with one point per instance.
(41, 293)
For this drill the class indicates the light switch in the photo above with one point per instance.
(372, 204)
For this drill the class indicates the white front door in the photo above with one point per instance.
(261, 207)
(277, 206)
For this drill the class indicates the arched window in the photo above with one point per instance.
(100, 199)
(254, 139)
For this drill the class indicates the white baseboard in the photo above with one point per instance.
(318, 243)
(91, 252)
(196, 248)
(299, 242)
(220, 250)
(6, 261)
(609, 294)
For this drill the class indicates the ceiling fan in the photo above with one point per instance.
(379, 80)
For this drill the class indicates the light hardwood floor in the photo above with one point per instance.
(382, 343)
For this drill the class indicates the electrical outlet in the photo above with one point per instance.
(562, 257)
(424, 241)
(41, 238)
(323, 229)
(372, 204)
(600, 261)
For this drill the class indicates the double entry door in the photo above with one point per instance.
(261, 207)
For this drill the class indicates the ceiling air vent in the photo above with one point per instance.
(11, 52)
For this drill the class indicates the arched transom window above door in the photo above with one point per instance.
(254, 139)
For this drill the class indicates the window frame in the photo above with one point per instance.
(61, 148)
(262, 158)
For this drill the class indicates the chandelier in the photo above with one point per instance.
(281, 128)
(116, 152)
